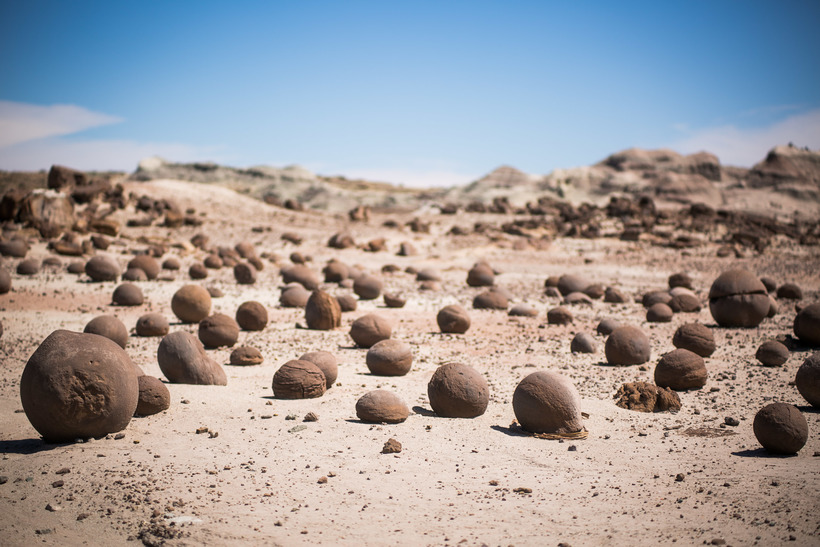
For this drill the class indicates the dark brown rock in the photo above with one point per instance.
(28, 266)
(453, 319)
(790, 291)
(368, 287)
(299, 380)
(369, 329)
(299, 273)
(781, 428)
(213, 262)
(681, 279)
(152, 324)
(481, 275)
(807, 325)
(5, 281)
(218, 330)
(659, 313)
(546, 402)
(78, 386)
(559, 316)
(102, 268)
(685, 303)
(627, 346)
(294, 296)
(183, 360)
(681, 370)
(171, 264)
(491, 300)
(110, 327)
(191, 303)
(198, 271)
(583, 343)
(696, 338)
(15, 248)
(770, 284)
(147, 264)
(646, 397)
(772, 353)
(394, 300)
(244, 273)
(807, 380)
(127, 294)
(458, 391)
(252, 316)
(738, 299)
(656, 297)
(347, 302)
(154, 396)
(326, 362)
(322, 311)
(244, 356)
(381, 406)
(615, 296)
(389, 358)
(335, 272)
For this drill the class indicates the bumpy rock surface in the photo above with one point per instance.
(381, 406)
(738, 299)
(183, 360)
(110, 327)
(322, 311)
(680, 370)
(696, 338)
(807, 380)
(299, 380)
(370, 329)
(191, 303)
(154, 396)
(453, 319)
(458, 391)
(781, 428)
(78, 386)
(252, 316)
(646, 397)
(152, 324)
(627, 346)
(389, 358)
(547, 402)
(326, 362)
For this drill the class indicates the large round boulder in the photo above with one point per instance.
(458, 391)
(627, 345)
(781, 428)
(110, 327)
(738, 299)
(252, 315)
(78, 386)
(182, 359)
(191, 303)
(681, 370)
(807, 325)
(547, 402)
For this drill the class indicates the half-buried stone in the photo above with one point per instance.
(198, 271)
(78, 386)
(218, 330)
(681, 370)
(154, 396)
(369, 329)
(695, 337)
(781, 428)
(326, 362)
(559, 316)
(191, 303)
(659, 313)
(182, 359)
(627, 345)
(244, 356)
(152, 324)
(298, 379)
(110, 327)
(29, 266)
(381, 406)
(547, 402)
(523, 310)
(299, 273)
(583, 343)
(607, 325)
(147, 264)
(491, 300)
(127, 294)
(481, 275)
(458, 391)
(738, 298)
(389, 358)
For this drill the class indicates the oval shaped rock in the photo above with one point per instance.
(807, 380)
(807, 325)
(152, 324)
(252, 316)
(102, 268)
(147, 264)
(453, 319)
(458, 391)
(491, 300)
(326, 362)
(389, 358)
(681, 370)
(627, 345)
(368, 287)
(695, 337)
(781, 428)
(583, 343)
(127, 294)
(659, 313)
(772, 353)
(547, 402)
(369, 329)
(110, 327)
(244, 356)
(299, 380)
(154, 396)
(322, 311)
(182, 359)
(218, 330)
(381, 406)
(738, 298)
(191, 303)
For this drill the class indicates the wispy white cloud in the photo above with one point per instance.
(22, 122)
(745, 147)
(411, 178)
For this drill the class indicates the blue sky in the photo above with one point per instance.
(420, 93)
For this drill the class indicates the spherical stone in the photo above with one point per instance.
(299, 273)
(807, 380)
(681, 370)
(368, 287)
(659, 313)
(171, 263)
(326, 362)
(627, 346)
(29, 266)
(583, 343)
(244, 356)
(370, 329)
(294, 296)
(218, 330)
(481, 275)
(322, 311)
(428, 274)
(696, 338)
(569, 283)
(347, 302)
(110, 327)
(78, 386)
(615, 296)
(655, 297)
(523, 310)
(183, 360)
(154, 396)
(335, 272)
(244, 273)
(191, 303)
(547, 402)
(252, 315)
(607, 325)
(772, 353)
(134, 274)
(299, 380)
(198, 271)
(102, 268)
(5, 281)
(559, 316)
(790, 291)
(152, 324)
(127, 294)
(458, 391)
(491, 300)
(770, 284)
(453, 319)
(781, 428)
(147, 264)
(681, 280)
(389, 358)
(381, 406)
(807, 325)
(685, 303)
(738, 298)
(213, 262)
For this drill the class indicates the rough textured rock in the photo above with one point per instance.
(696, 338)
(294, 296)
(389, 358)
(152, 324)
(191, 303)
(807, 380)
(218, 330)
(547, 402)
(244, 356)
(453, 319)
(583, 343)
(369, 329)
(646, 397)
(127, 294)
(322, 311)
(102, 268)
(627, 346)
(326, 362)
(807, 325)
(110, 327)
(154, 396)
(738, 298)
(368, 287)
(381, 406)
(772, 353)
(458, 391)
(78, 386)
(781, 428)
(182, 359)
(252, 316)
(147, 264)
(559, 316)
(299, 380)
(681, 370)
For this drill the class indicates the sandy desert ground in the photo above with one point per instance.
(261, 477)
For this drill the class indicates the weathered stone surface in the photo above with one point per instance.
(299, 380)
